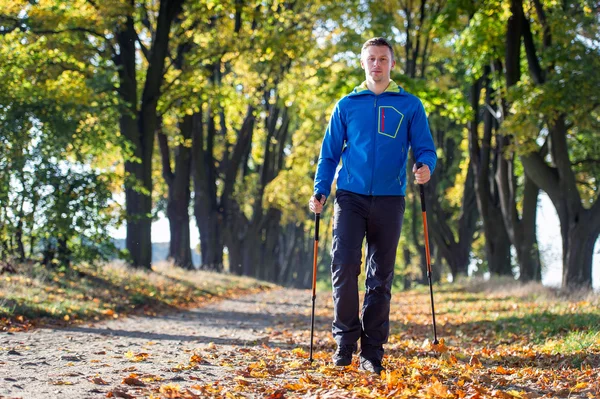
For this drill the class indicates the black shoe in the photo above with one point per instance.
(371, 365)
(368, 351)
(343, 355)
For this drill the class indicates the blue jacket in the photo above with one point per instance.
(372, 135)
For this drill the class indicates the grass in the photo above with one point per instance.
(36, 296)
(574, 341)
(561, 327)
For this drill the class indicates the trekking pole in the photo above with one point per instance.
(314, 279)
(424, 213)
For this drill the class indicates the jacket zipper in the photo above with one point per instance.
(374, 146)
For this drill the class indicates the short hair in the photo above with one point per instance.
(377, 41)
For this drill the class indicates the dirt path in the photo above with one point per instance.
(208, 351)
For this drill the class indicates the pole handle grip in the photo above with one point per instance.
(422, 191)
(318, 196)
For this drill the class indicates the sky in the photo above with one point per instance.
(548, 230)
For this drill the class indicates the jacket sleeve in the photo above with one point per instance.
(331, 151)
(420, 138)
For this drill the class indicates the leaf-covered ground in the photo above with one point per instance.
(498, 345)
(511, 342)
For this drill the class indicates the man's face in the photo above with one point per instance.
(377, 63)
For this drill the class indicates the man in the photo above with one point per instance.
(371, 130)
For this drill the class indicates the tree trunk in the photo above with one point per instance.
(235, 259)
(580, 227)
(521, 229)
(288, 239)
(48, 255)
(527, 247)
(140, 127)
(19, 234)
(179, 195)
(138, 209)
(235, 224)
(497, 243)
(63, 253)
(252, 235)
(208, 213)
(578, 254)
(269, 260)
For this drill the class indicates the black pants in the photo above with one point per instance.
(380, 219)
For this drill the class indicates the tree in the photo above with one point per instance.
(89, 26)
(563, 88)
(56, 197)
(520, 228)
(139, 119)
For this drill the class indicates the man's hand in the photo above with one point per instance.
(422, 175)
(315, 205)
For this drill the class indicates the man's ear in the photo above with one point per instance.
(361, 63)
(393, 64)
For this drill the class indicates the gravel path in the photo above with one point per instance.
(91, 361)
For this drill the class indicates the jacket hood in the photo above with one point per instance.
(363, 89)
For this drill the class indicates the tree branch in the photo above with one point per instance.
(167, 172)
(539, 8)
(535, 69)
(544, 176)
(73, 29)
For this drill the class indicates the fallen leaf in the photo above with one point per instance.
(99, 381)
(300, 352)
(133, 381)
(137, 357)
(170, 391)
(279, 394)
(502, 370)
(242, 381)
(474, 361)
(437, 389)
(496, 393)
(440, 347)
(116, 393)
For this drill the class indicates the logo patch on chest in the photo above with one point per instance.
(389, 121)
